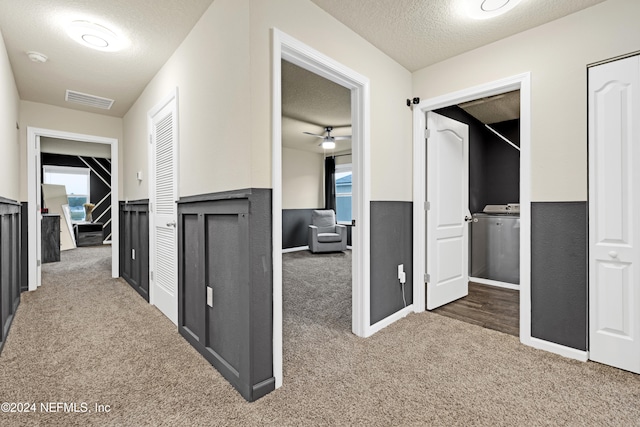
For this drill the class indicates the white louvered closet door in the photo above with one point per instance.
(163, 252)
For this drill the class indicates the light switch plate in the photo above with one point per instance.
(209, 296)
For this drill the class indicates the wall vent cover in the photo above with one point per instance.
(90, 100)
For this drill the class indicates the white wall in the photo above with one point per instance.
(223, 72)
(74, 148)
(210, 69)
(557, 55)
(391, 145)
(302, 179)
(63, 119)
(9, 142)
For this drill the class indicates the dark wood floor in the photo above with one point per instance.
(487, 306)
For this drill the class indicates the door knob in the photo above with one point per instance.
(613, 254)
(171, 224)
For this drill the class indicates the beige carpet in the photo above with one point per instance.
(84, 337)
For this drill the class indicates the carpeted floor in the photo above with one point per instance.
(84, 337)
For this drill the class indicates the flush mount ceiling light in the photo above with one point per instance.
(484, 9)
(37, 56)
(94, 36)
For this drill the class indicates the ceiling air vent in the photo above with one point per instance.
(90, 100)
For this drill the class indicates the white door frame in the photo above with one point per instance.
(288, 48)
(33, 165)
(520, 82)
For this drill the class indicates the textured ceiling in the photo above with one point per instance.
(154, 28)
(495, 109)
(418, 33)
(415, 33)
(309, 104)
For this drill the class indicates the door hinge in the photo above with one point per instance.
(150, 139)
(427, 278)
(39, 263)
(353, 222)
(151, 275)
(427, 206)
(150, 207)
(427, 133)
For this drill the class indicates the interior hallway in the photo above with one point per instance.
(85, 337)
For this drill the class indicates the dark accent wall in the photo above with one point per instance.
(50, 238)
(494, 166)
(391, 245)
(559, 273)
(24, 249)
(134, 236)
(295, 228)
(10, 265)
(98, 187)
(225, 243)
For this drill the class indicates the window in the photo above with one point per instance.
(77, 181)
(343, 193)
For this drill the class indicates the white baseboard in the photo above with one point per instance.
(551, 347)
(388, 320)
(302, 248)
(297, 249)
(495, 283)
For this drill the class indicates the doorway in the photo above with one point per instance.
(316, 188)
(34, 196)
(492, 215)
(521, 83)
(297, 53)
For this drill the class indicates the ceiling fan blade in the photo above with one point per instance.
(313, 134)
(337, 138)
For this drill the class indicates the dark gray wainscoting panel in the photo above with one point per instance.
(295, 228)
(10, 264)
(391, 245)
(559, 278)
(50, 238)
(224, 242)
(24, 250)
(134, 239)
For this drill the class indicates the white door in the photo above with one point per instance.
(447, 206)
(163, 251)
(614, 209)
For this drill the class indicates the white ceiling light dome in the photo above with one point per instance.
(485, 9)
(95, 36)
(37, 56)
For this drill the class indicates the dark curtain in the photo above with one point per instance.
(330, 183)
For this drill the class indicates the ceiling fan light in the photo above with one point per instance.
(328, 144)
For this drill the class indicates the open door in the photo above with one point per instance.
(447, 210)
(614, 206)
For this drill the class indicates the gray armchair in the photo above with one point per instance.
(324, 234)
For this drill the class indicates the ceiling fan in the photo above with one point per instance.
(328, 141)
